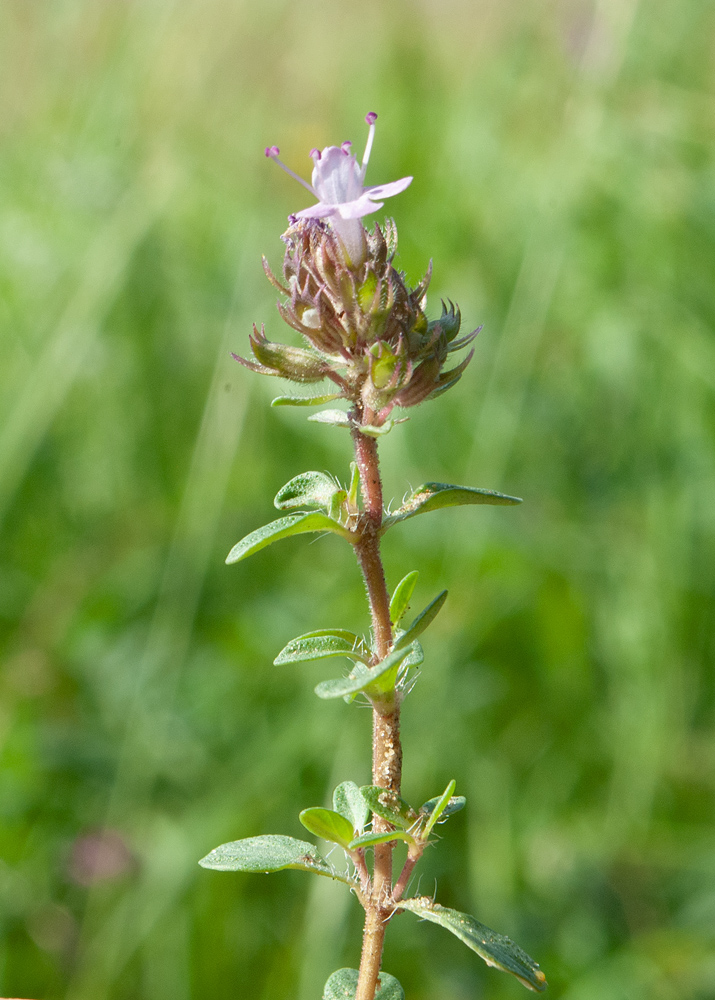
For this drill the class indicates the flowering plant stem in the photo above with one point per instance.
(386, 746)
(365, 330)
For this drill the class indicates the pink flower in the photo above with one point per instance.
(338, 184)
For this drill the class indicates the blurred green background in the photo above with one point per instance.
(565, 187)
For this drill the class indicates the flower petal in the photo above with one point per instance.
(388, 190)
(358, 208)
(336, 176)
(319, 211)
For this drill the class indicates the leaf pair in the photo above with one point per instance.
(317, 490)
(274, 853)
(352, 806)
(339, 418)
(380, 678)
(375, 680)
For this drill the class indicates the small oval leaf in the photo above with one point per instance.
(387, 805)
(342, 985)
(372, 431)
(423, 619)
(284, 527)
(434, 496)
(309, 489)
(401, 597)
(370, 839)
(496, 949)
(305, 400)
(338, 418)
(456, 803)
(271, 853)
(328, 825)
(349, 802)
(321, 644)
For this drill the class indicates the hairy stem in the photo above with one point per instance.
(401, 884)
(386, 746)
(368, 548)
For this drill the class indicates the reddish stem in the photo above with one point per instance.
(386, 746)
(367, 548)
(401, 884)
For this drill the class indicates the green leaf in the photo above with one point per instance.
(433, 496)
(423, 619)
(305, 400)
(271, 853)
(370, 839)
(415, 659)
(372, 431)
(283, 360)
(401, 597)
(439, 807)
(366, 291)
(321, 644)
(374, 681)
(338, 418)
(314, 490)
(337, 502)
(284, 527)
(383, 363)
(496, 949)
(456, 803)
(342, 985)
(328, 825)
(349, 802)
(389, 806)
(354, 484)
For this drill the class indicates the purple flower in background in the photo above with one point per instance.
(338, 184)
(99, 856)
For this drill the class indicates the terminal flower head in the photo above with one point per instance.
(364, 327)
(338, 184)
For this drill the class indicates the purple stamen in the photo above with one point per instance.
(371, 117)
(346, 148)
(272, 152)
(315, 153)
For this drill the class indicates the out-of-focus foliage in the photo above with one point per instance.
(565, 187)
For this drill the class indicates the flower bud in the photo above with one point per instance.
(293, 363)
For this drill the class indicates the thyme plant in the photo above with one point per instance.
(367, 334)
